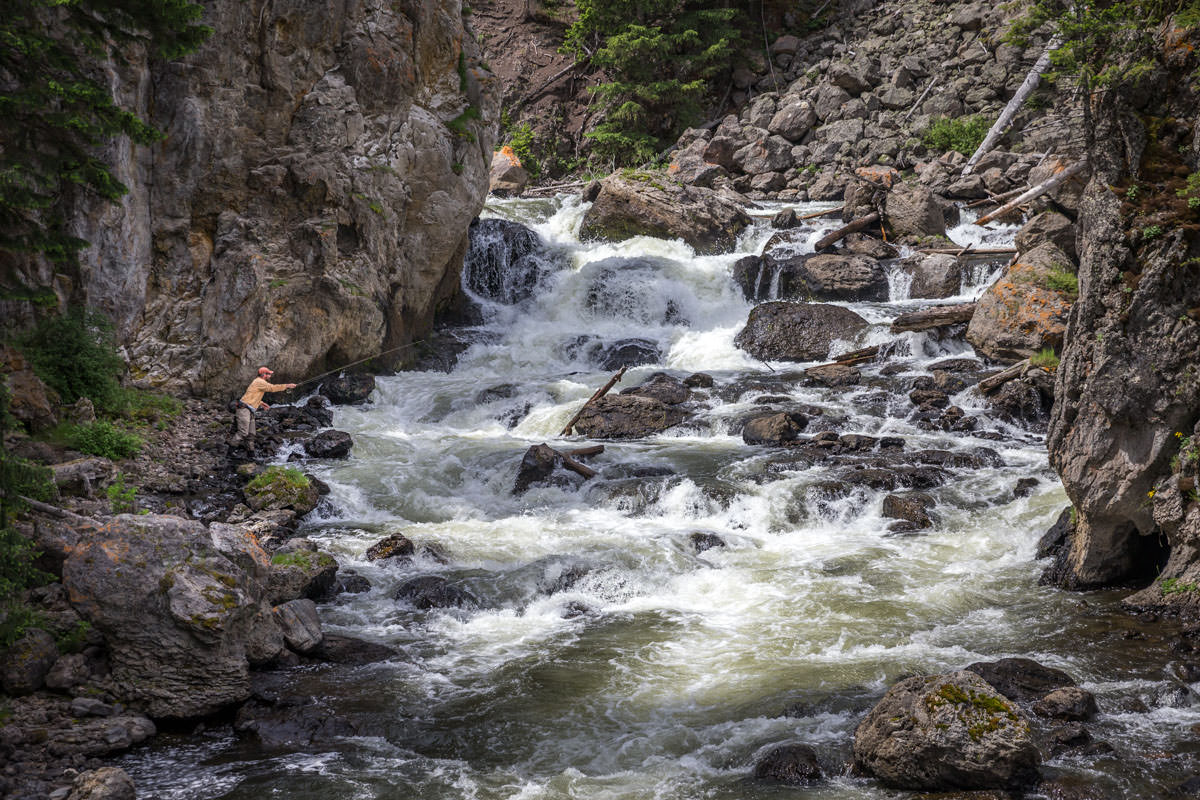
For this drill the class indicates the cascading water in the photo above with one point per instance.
(605, 657)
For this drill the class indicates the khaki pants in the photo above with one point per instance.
(245, 424)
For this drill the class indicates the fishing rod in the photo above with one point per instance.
(361, 360)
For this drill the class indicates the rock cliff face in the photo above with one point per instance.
(310, 203)
(1128, 390)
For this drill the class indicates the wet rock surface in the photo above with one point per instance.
(780, 331)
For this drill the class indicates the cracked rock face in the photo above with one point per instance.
(309, 205)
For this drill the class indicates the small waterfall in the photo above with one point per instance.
(505, 261)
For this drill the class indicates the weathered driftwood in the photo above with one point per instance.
(994, 382)
(576, 466)
(1014, 105)
(936, 317)
(996, 199)
(55, 511)
(854, 357)
(824, 213)
(1048, 185)
(554, 187)
(854, 227)
(603, 390)
(968, 251)
(583, 452)
(921, 99)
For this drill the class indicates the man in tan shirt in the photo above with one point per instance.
(252, 401)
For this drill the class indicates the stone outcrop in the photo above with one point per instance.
(946, 732)
(655, 204)
(1126, 411)
(309, 203)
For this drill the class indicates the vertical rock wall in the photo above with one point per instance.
(309, 205)
(1128, 387)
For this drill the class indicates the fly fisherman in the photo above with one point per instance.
(251, 402)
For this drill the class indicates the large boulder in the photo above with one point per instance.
(765, 154)
(934, 276)
(627, 417)
(105, 783)
(913, 211)
(1021, 679)
(792, 764)
(329, 444)
(662, 387)
(282, 487)
(773, 429)
(946, 732)
(793, 120)
(779, 331)
(1026, 309)
(433, 591)
(177, 612)
(299, 570)
(654, 204)
(835, 277)
(542, 465)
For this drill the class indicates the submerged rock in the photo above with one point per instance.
(662, 387)
(946, 732)
(792, 764)
(1021, 679)
(397, 545)
(506, 261)
(703, 540)
(348, 389)
(329, 444)
(433, 591)
(773, 429)
(779, 331)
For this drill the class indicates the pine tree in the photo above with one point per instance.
(55, 111)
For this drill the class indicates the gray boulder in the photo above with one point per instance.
(773, 429)
(301, 628)
(106, 783)
(946, 732)
(349, 389)
(934, 276)
(1048, 226)
(767, 154)
(914, 211)
(176, 612)
(299, 570)
(627, 417)
(780, 331)
(793, 120)
(329, 444)
(836, 277)
(654, 204)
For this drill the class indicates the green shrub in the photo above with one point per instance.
(1045, 358)
(76, 355)
(1151, 232)
(1063, 280)
(274, 476)
(521, 140)
(102, 438)
(963, 134)
(458, 125)
(122, 499)
(147, 407)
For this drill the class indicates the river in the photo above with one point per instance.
(656, 671)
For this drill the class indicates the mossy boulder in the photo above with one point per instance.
(300, 570)
(282, 487)
(945, 732)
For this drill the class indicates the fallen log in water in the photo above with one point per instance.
(854, 227)
(936, 317)
(994, 382)
(968, 251)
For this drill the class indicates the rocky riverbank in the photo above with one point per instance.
(177, 575)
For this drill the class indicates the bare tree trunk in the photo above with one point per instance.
(1048, 185)
(603, 390)
(854, 227)
(936, 317)
(1014, 105)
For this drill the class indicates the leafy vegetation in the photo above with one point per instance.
(1045, 358)
(1176, 586)
(661, 56)
(56, 107)
(278, 476)
(75, 354)
(963, 134)
(18, 478)
(1063, 280)
(458, 125)
(103, 438)
(122, 499)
